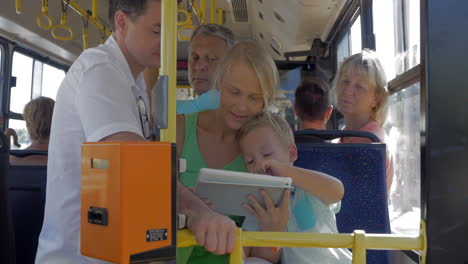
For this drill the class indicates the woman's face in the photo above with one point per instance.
(241, 95)
(356, 96)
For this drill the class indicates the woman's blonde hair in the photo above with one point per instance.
(254, 55)
(38, 116)
(367, 65)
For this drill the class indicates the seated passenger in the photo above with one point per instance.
(208, 46)
(267, 145)
(38, 116)
(313, 107)
(247, 79)
(361, 96)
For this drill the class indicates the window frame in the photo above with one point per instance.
(6, 92)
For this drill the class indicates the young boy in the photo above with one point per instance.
(267, 145)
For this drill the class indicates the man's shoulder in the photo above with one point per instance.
(95, 56)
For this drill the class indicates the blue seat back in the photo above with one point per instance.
(26, 193)
(361, 168)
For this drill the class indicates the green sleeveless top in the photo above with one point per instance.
(191, 153)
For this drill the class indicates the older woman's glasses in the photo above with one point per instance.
(144, 119)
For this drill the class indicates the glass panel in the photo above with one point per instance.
(404, 144)
(343, 50)
(51, 80)
(384, 28)
(414, 32)
(356, 40)
(21, 94)
(23, 136)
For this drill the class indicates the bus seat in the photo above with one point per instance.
(26, 193)
(7, 250)
(361, 168)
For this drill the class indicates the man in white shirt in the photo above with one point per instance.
(208, 46)
(98, 101)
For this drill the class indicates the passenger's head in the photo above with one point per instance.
(208, 46)
(38, 116)
(360, 87)
(247, 79)
(136, 25)
(312, 101)
(267, 136)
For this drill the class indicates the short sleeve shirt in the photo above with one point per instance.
(98, 97)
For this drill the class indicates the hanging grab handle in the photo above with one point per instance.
(63, 25)
(19, 6)
(45, 15)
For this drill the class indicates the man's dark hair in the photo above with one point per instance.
(312, 100)
(133, 8)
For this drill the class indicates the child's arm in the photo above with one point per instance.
(325, 187)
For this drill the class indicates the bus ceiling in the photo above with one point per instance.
(282, 27)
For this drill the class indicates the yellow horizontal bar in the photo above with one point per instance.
(183, 87)
(288, 239)
(93, 20)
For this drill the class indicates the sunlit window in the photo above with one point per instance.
(355, 37)
(403, 128)
(343, 50)
(23, 71)
(397, 34)
(51, 80)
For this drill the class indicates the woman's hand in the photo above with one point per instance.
(272, 218)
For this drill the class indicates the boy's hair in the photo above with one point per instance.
(133, 8)
(312, 100)
(252, 54)
(271, 120)
(38, 116)
(367, 65)
(215, 30)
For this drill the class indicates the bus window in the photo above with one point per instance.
(22, 70)
(397, 29)
(51, 80)
(403, 129)
(355, 36)
(343, 49)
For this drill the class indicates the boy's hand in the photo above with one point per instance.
(271, 218)
(272, 167)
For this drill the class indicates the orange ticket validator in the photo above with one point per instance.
(128, 201)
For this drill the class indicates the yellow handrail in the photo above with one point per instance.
(168, 65)
(93, 19)
(359, 241)
(213, 11)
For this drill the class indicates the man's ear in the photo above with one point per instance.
(295, 110)
(328, 113)
(121, 22)
(292, 152)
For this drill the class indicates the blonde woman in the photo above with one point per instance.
(38, 116)
(247, 80)
(361, 96)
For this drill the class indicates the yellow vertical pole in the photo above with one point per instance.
(236, 255)
(203, 11)
(94, 8)
(168, 64)
(359, 249)
(213, 11)
(220, 16)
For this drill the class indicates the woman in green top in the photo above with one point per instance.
(247, 80)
